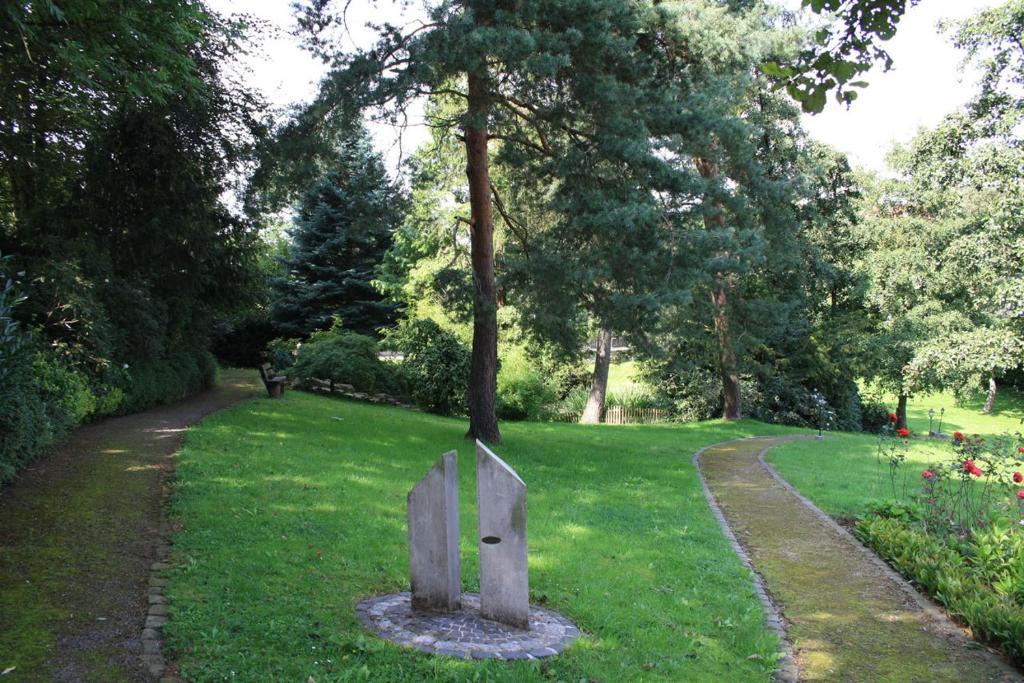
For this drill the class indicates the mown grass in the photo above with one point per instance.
(842, 474)
(291, 511)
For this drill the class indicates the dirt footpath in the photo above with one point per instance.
(79, 532)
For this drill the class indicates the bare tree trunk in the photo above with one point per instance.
(599, 382)
(993, 389)
(901, 412)
(727, 366)
(732, 408)
(483, 376)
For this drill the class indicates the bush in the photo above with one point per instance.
(342, 357)
(165, 380)
(523, 391)
(435, 368)
(281, 353)
(874, 416)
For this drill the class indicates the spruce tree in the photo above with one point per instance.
(344, 227)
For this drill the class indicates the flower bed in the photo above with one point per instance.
(962, 539)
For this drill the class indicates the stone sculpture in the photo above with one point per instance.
(501, 503)
(433, 509)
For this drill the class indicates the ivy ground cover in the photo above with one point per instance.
(291, 511)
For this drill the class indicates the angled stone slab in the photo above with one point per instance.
(501, 500)
(433, 508)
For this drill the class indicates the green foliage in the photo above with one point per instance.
(123, 134)
(343, 357)
(343, 228)
(435, 367)
(840, 51)
(282, 352)
(523, 391)
(980, 580)
(164, 380)
(874, 415)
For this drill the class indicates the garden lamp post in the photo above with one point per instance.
(942, 412)
(931, 416)
(819, 400)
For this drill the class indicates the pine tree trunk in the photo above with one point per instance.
(993, 389)
(599, 382)
(727, 365)
(732, 408)
(483, 376)
(901, 412)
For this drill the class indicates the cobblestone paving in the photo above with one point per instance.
(465, 633)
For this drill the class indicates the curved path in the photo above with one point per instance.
(80, 530)
(846, 614)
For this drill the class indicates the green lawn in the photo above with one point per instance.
(292, 511)
(841, 474)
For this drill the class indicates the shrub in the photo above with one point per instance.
(164, 380)
(694, 395)
(336, 355)
(523, 391)
(874, 416)
(282, 352)
(436, 366)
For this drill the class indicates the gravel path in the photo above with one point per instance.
(80, 531)
(847, 615)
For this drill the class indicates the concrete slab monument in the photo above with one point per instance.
(501, 503)
(433, 509)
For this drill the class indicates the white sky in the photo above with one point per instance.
(924, 85)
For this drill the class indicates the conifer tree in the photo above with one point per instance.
(343, 229)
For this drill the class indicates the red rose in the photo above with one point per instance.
(893, 417)
(904, 432)
(1018, 477)
(1020, 449)
(968, 465)
(928, 474)
(976, 471)
(1020, 494)
(957, 436)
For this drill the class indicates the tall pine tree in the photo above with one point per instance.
(343, 228)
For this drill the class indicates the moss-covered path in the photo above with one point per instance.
(79, 530)
(847, 616)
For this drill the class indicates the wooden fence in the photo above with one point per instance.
(621, 415)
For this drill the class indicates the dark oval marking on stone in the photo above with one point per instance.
(491, 540)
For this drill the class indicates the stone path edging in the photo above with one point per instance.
(786, 671)
(156, 614)
(941, 620)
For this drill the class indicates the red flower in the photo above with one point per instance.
(1020, 449)
(893, 417)
(1020, 494)
(928, 474)
(904, 432)
(1018, 477)
(976, 471)
(968, 465)
(957, 436)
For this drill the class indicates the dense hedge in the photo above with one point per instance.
(43, 399)
(980, 580)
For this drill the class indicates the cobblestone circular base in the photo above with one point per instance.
(465, 633)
